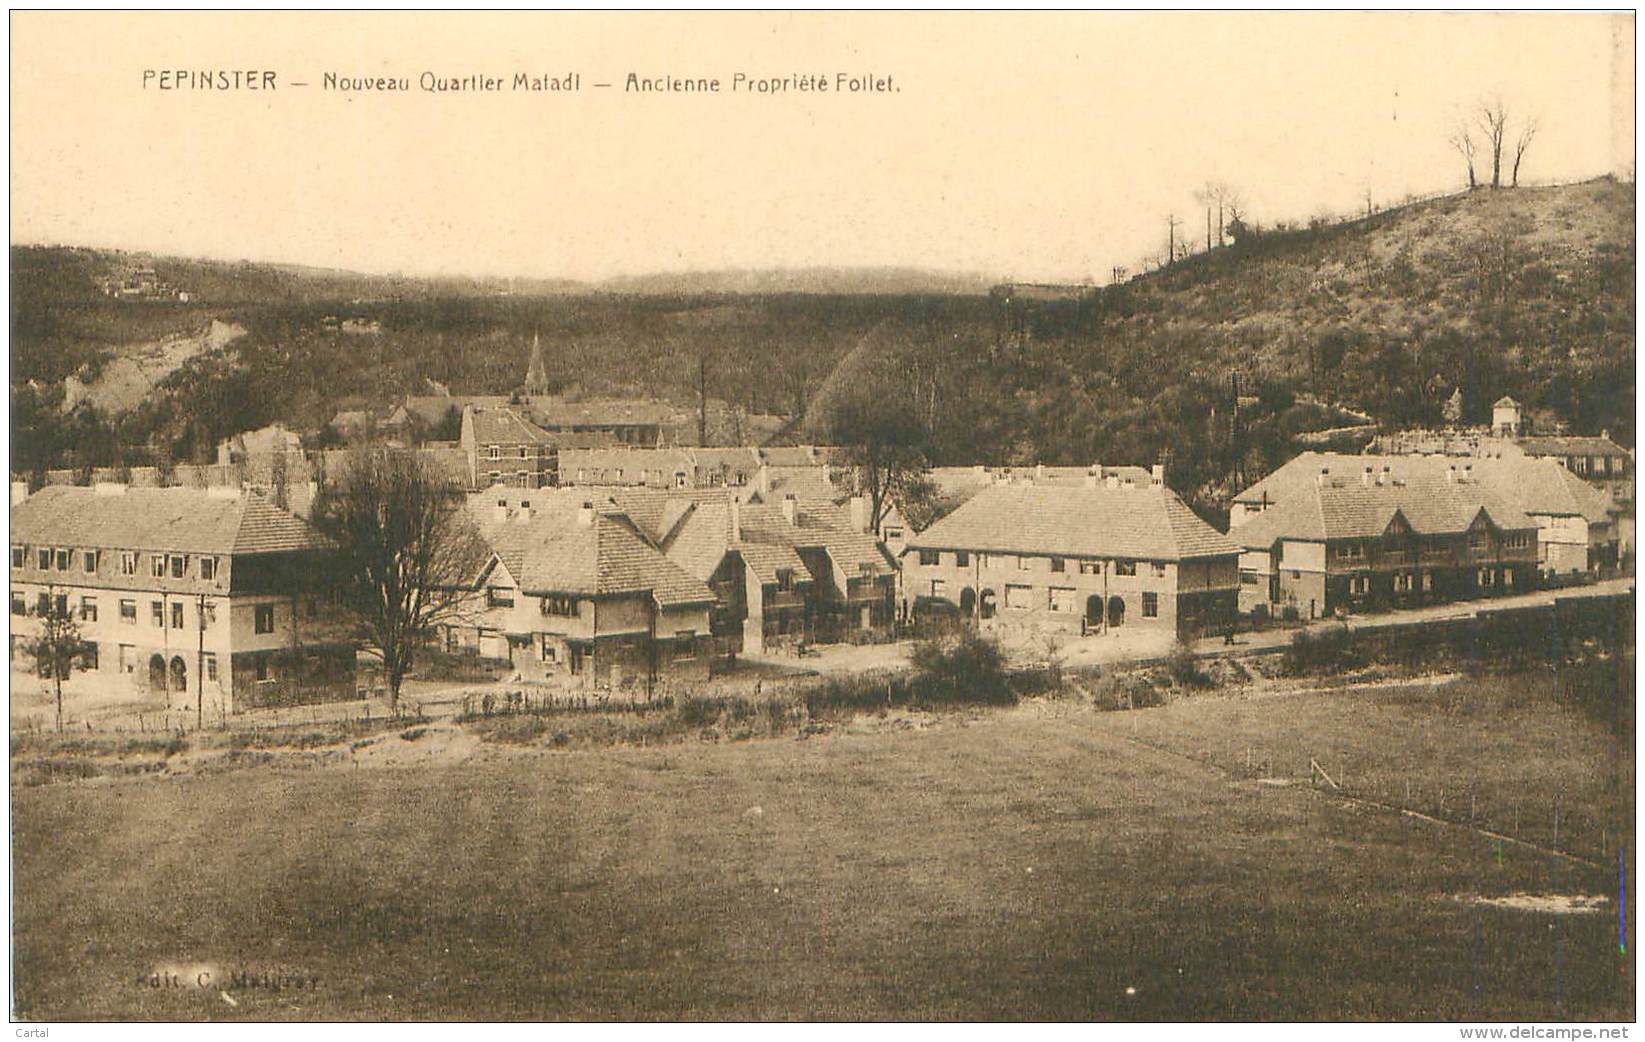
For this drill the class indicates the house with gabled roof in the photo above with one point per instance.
(1346, 543)
(1096, 556)
(572, 593)
(188, 598)
(1577, 523)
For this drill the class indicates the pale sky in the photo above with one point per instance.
(1022, 146)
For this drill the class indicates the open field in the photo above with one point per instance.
(1040, 861)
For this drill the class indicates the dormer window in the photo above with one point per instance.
(208, 567)
(42, 558)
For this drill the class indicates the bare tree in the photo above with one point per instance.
(406, 554)
(58, 645)
(1493, 122)
(1224, 197)
(1527, 133)
(1462, 139)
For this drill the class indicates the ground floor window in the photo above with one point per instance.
(1062, 599)
(209, 659)
(685, 646)
(88, 657)
(128, 658)
(1359, 584)
(1487, 577)
(1017, 596)
(1150, 605)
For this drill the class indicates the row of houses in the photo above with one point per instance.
(213, 593)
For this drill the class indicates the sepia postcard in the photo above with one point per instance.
(753, 517)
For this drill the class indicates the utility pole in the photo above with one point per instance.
(1207, 229)
(702, 398)
(1171, 239)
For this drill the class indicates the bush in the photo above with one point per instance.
(1259, 615)
(967, 669)
(1184, 667)
(1328, 651)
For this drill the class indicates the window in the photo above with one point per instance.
(1350, 551)
(176, 615)
(551, 654)
(62, 604)
(1159, 569)
(1487, 577)
(208, 614)
(1248, 577)
(42, 604)
(1402, 582)
(18, 556)
(42, 558)
(1150, 605)
(1062, 599)
(179, 565)
(1058, 564)
(158, 563)
(63, 557)
(939, 588)
(128, 610)
(928, 558)
(494, 452)
(1359, 584)
(499, 597)
(210, 660)
(685, 645)
(1090, 567)
(263, 620)
(88, 609)
(890, 533)
(88, 655)
(985, 561)
(494, 475)
(128, 658)
(553, 605)
(89, 560)
(208, 567)
(785, 578)
(1023, 563)
(128, 562)
(522, 452)
(262, 667)
(962, 558)
(19, 606)
(1125, 567)
(1018, 596)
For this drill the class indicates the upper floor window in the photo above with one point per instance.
(158, 564)
(208, 567)
(18, 605)
(522, 452)
(263, 618)
(495, 452)
(18, 555)
(930, 557)
(42, 558)
(499, 597)
(1159, 569)
(90, 560)
(63, 556)
(128, 610)
(128, 562)
(88, 609)
(1058, 564)
(962, 558)
(157, 613)
(1125, 567)
(1024, 563)
(553, 605)
(1090, 567)
(176, 615)
(179, 565)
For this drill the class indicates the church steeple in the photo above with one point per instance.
(536, 375)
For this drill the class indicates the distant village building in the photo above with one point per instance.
(1075, 558)
(184, 595)
(1505, 417)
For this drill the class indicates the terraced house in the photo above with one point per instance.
(1346, 543)
(572, 594)
(1075, 558)
(186, 596)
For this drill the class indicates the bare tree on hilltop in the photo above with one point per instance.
(1491, 123)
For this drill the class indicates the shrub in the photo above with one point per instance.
(1259, 615)
(967, 669)
(1185, 668)
(1327, 651)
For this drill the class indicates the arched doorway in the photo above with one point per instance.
(179, 674)
(1093, 610)
(968, 602)
(1116, 611)
(157, 672)
(987, 604)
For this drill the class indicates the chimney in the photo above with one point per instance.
(585, 514)
(791, 508)
(1039, 472)
(736, 520)
(500, 511)
(1365, 478)
(1113, 481)
(102, 488)
(762, 481)
(859, 514)
(525, 511)
(1158, 474)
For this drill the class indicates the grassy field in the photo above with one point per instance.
(1043, 861)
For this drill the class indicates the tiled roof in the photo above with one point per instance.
(1551, 445)
(1149, 523)
(818, 524)
(1350, 509)
(183, 520)
(1534, 486)
(505, 427)
(555, 552)
(600, 412)
(432, 408)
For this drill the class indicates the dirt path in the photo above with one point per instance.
(136, 368)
